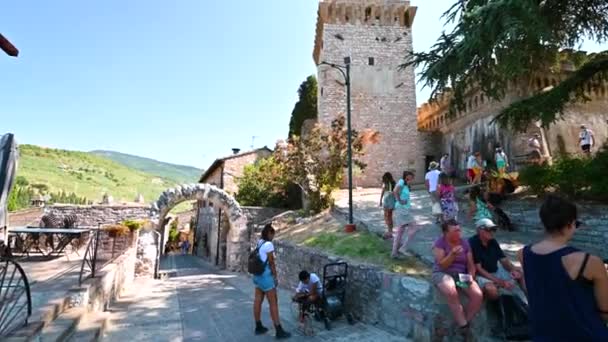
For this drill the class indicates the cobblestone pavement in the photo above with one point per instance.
(201, 303)
(366, 210)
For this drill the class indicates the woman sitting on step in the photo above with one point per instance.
(454, 269)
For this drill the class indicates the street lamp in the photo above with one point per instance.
(345, 71)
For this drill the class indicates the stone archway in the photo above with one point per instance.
(237, 241)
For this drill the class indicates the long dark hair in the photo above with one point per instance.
(387, 179)
(267, 231)
(476, 194)
(405, 174)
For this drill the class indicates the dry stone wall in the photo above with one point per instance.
(407, 305)
(94, 215)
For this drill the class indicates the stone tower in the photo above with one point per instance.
(376, 35)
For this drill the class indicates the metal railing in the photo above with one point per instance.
(101, 250)
(89, 262)
(15, 297)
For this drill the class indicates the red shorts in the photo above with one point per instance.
(471, 173)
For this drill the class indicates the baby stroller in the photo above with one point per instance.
(331, 304)
(334, 293)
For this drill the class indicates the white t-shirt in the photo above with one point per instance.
(307, 288)
(586, 137)
(266, 248)
(433, 178)
(471, 162)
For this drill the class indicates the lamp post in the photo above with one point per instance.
(345, 71)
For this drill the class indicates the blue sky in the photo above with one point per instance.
(182, 81)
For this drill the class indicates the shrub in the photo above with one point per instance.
(115, 230)
(578, 178)
(132, 224)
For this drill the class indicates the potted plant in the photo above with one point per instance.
(116, 230)
(133, 225)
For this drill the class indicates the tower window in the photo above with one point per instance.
(371, 61)
(321, 91)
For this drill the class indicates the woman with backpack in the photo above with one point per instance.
(266, 283)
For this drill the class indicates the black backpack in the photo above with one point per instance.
(255, 265)
(514, 317)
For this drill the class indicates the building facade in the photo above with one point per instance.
(376, 35)
(473, 129)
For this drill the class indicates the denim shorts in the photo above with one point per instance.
(264, 281)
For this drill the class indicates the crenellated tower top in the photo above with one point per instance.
(361, 12)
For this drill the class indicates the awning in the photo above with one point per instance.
(8, 168)
(8, 47)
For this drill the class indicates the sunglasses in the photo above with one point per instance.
(578, 224)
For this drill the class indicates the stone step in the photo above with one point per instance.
(42, 318)
(63, 326)
(91, 328)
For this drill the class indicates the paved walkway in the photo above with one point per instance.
(366, 209)
(201, 303)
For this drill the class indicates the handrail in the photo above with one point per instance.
(90, 258)
(15, 297)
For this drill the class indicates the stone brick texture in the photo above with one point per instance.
(592, 236)
(383, 96)
(474, 129)
(407, 305)
(207, 231)
(95, 215)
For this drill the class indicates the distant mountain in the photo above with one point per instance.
(87, 174)
(177, 173)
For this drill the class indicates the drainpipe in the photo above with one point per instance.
(219, 222)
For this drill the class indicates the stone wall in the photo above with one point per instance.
(404, 304)
(96, 293)
(592, 236)
(383, 96)
(94, 215)
(207, 231)
(473, 128)
(147, 250)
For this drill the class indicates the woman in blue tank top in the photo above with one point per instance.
(567, 289)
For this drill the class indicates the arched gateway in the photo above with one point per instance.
(237, 243)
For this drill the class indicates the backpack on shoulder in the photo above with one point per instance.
(255, 265)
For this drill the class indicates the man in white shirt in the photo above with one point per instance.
(586, 139)
(431, 180)
(309, 289)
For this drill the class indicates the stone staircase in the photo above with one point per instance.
(63, 324)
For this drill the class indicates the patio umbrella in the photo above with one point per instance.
(8, 167)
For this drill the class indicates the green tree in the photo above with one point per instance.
(306, 107)
(495, 42)
(317, 161)
(263, 184)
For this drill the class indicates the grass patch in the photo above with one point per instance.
(363, 246)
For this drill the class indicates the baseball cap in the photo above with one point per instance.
(486, 224)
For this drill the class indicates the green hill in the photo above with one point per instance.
(87, 175)
(178, 173)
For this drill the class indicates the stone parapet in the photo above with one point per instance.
(95, 215)
(361, 12)
(407, 305)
